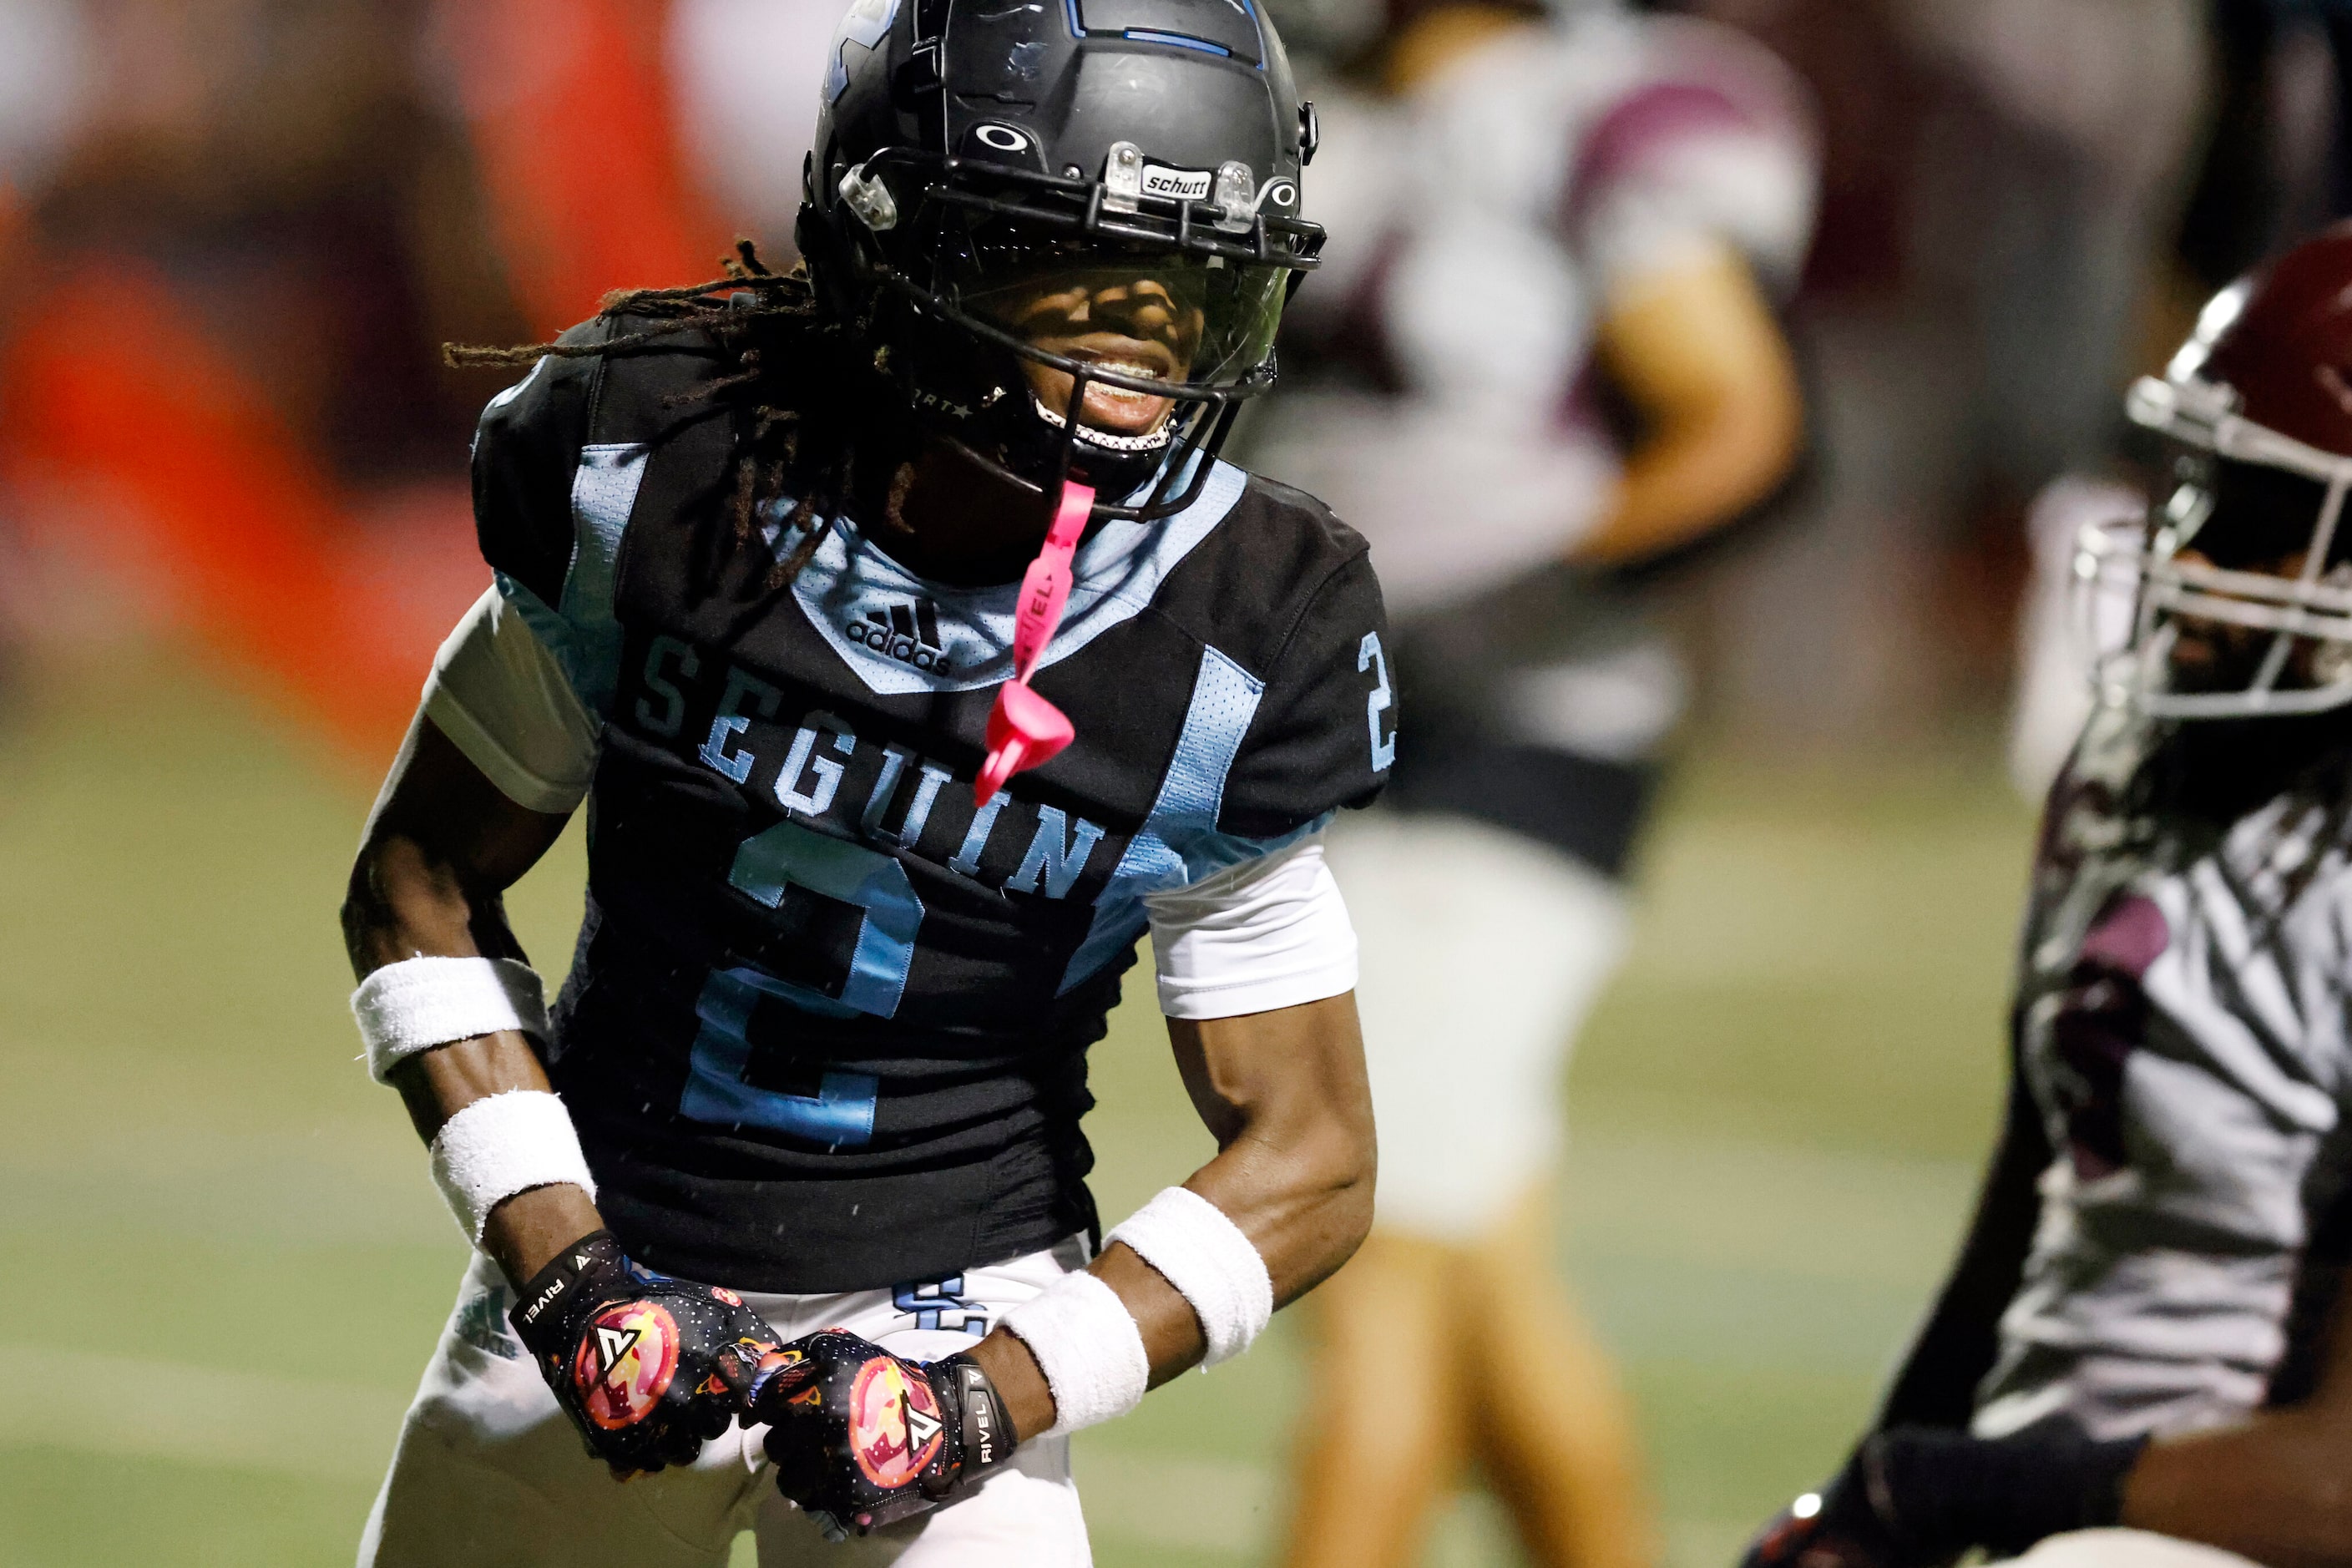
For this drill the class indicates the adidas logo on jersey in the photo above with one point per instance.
(907, 633)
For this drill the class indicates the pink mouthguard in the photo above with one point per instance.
(1024, 730)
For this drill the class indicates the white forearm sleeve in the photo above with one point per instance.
(501, 1145)
(1088, 1348)
(1267, 933)
(421, 1002)
(1213, 1265)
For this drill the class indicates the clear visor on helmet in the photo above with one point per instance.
(1132, 322)
(2233, 596)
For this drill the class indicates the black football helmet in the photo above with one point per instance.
(976, 159)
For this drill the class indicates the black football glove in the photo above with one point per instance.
(1833, 1528)
(862, 1438)
(649, 1368)
(1913, 1497)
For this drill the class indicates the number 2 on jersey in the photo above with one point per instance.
(841, 1111)
(1370, 657)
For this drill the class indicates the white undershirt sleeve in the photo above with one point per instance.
(500, 696)
(1269, 932)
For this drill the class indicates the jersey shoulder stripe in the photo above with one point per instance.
(559, 459)
(1176, 845)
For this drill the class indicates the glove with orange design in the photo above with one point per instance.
(862, 1438)
(649, 1368)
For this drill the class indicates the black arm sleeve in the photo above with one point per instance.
(1326, 723)
(1955, 1349)
(526, 451)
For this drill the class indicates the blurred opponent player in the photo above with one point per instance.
(1544, 223)
(2146, 1326)
(794, 576)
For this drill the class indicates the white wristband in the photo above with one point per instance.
(1203, 1253)
(1088, 1348)
(421, 1002)
(501, 1145)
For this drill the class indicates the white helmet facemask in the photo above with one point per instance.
(2134, 595)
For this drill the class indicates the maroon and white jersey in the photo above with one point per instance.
(1477, 229)
(1438, 382)
(2183, 1031)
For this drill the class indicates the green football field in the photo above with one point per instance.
(229, 1264)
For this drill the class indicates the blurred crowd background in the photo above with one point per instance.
(233, 523)
(235, 234)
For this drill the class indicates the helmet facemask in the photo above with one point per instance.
(2232, 598)
(1051, 325)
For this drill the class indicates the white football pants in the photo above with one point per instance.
(1482, 952)
(2124, 1548)
(488, 1469)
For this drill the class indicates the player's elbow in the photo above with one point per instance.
(1725, 445)
(1739, 440)
(366, 909)
(402, 901)
(1337, 1181)
(1352, 1204)
(1355, 1173)
(1763, 438)
(1354, 1166)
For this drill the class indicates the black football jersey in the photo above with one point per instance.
(826, 1024)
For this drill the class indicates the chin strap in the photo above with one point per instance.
(1024, 730)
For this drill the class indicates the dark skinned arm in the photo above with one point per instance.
(1283, 1092)
(442, 848)
(1285, 1095)
(2276, 1487)
(1852, 1520)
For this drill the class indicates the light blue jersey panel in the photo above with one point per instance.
(1179, 843)
(579, 630)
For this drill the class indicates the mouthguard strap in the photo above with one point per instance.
(1024, 730)
(1045, 586)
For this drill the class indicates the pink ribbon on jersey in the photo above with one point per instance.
(1024, 730)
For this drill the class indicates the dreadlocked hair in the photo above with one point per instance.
(776, 344)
